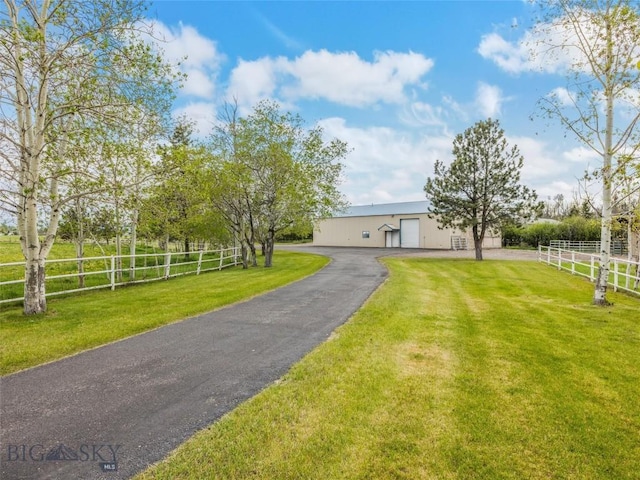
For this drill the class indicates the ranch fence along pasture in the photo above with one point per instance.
(618, 247)
(623, 275)
(72, 275)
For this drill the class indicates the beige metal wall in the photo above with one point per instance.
(347, 232)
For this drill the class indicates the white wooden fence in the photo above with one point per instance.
(624, 274)
(89, 273)
(618, 247)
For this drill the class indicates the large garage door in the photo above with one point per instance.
(410, 233)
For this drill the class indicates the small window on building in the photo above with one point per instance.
(365, 234)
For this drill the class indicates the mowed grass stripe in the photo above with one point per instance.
(81, 321)
(453, 369)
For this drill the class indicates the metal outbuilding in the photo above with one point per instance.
(403, 225)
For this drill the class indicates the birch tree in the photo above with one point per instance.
(599, 41)
(64, 64)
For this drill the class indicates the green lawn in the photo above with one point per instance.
(454, 369)
(149, 266)
(10, 250)
(86, 320)
(582, 266)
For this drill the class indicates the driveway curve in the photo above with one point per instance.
(112, 411)
(109, 412)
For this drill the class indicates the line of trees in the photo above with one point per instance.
(258, 176)
(88, 149)
(541, 233)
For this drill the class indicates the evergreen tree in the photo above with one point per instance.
(480, 189)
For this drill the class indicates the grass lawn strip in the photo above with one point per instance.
(453, 369)
(82, 321)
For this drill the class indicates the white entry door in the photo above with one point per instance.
(410, 233)
(392, 239)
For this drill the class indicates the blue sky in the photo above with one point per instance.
(395, 80)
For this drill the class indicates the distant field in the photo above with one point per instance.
(454, 369)
(10, 250)
(150, 266)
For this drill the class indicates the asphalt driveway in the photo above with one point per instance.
(112, 411)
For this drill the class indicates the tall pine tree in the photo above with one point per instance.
(480, 189)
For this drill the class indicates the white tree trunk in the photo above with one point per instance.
(34, 288)
(600, 293)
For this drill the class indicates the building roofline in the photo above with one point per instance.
(372, 210)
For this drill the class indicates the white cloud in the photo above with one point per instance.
(386, 164)
(539, 163)
(489, 100)
(341, 78)
(456, 107)
(562, 96)
(198, 84)
(537, 50)
(513, 58)
(550, 190)
(419, 114)
(287, 40)
(391, 165)
(550, 171)
(202, 114)
(197, 55)
(556, 46)
(252, 81)
(582, 155)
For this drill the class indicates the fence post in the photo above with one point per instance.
(615, 274)
(221, 258)
(199, 262)
(167, 265)
(592, 275)
(559, 259)
(573, 262)
(113, 272)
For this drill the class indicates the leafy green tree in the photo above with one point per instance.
(177, 205)
(296, 172)
(480, 189)
(540, 234)
(600, 104)
(66, 68)
(229, 181)
(6, 229)
(272, 175)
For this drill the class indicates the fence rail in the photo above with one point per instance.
(618, 247)
(624, 275)
(72, 275)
